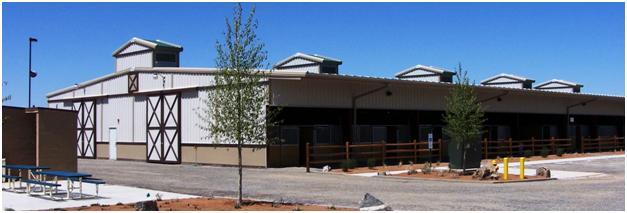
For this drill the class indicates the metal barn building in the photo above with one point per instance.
(146, 109)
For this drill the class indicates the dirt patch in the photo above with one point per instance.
(212, 204)
(465, 178)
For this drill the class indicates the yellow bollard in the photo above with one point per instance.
(505, 166)
(522, 168)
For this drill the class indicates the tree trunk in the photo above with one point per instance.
(463, 157)
(239, 183)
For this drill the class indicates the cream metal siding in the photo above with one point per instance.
(191, 107)
(508, 85)
(133, 48)
(305, 69)
(150, 81)
(427, 78)
(134, 60)
(139, 118)
(298, 61)
(117, 112)
(189, 80)
(114, 86)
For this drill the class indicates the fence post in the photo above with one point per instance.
(415, 153)
(615, 143)
(347, 151)
(553, 144)
(485, 147)
(510, 147)
(599, 143)
(307, 156)
(382, 152)
(583, 144)
(533, 145)
(440, 148)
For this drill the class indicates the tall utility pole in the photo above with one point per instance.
(31, 74)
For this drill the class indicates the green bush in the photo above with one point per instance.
(352, 163)
(545, 152)
(559, 152)
(528, 153)
(372, 163)
(345, 165)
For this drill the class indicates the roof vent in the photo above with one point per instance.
(426, 73)
(508, 80)
(560, 86)
(307, 63)
(139, 52)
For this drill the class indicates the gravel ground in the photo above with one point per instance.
(294, 185)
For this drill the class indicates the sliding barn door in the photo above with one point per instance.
(86, 128)
(163, 128)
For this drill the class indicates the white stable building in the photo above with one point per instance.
(146, 109)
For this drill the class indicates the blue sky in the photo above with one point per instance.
(581, 42)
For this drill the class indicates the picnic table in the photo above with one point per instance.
(70, 177)
(29, 168)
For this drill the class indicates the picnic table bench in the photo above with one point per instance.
(91, 180)
(13, 178)
(70, 177)
(43, 185)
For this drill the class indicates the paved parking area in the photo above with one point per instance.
(293, 184)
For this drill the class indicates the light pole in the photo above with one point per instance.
(31, 74)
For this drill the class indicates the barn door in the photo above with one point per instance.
(163, 129)
(86, 128)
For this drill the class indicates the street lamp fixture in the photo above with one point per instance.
(31, 73)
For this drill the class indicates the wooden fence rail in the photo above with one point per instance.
(601, 144)
(319, 154)
(511, 147)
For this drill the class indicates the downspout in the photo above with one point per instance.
(354, 106)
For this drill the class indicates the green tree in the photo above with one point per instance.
(235, 110)
(464, 114)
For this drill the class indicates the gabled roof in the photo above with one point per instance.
(152, 44)
(315, 58)
(434, 70)
(558, 81)
(508, 76)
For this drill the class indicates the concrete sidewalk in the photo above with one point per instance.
(108, 194)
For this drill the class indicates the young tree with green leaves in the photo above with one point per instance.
(235, 110)
(464, 115)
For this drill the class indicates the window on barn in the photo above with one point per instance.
(166, 57)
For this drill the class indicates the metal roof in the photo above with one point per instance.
(152, 44)
(425, 68)
(311, 57)
(292, 75)
(508, 76)
(562, 82)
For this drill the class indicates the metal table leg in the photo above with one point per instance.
(69, 186)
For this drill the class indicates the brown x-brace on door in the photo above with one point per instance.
(163, 129)
(86, 128)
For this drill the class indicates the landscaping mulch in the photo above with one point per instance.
(467, 178)
(212, 204)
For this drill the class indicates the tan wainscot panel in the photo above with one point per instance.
(102, 150)
(131, 152)
(224, 155)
